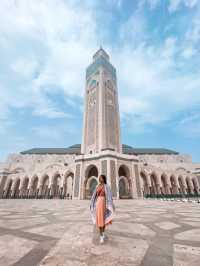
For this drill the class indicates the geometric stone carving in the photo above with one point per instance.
(104, 167)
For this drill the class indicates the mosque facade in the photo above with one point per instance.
(73, 172)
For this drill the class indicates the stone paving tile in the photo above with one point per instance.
(132, 228)
(191, 218)
(167, 225)
(186, 255)
(77, 247)
(193, 235)
(13, 248)
(55, 230)
(16, 223)
(194, 224)
(60, 232)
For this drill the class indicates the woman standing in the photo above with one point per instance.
(102, 206)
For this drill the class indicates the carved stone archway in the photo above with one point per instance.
(91, 173)
(125, 184)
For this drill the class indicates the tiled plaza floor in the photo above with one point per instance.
(60, 232)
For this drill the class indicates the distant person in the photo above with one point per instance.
(102, 207)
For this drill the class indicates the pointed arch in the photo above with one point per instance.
(91, 174)
(155, 187)
(125, 183)
(145, 187)
(68, 184)
(56, 185)
(165, 186)
(181, 185)
(44, 187)
(16, 190)
(24, 188)
(8, 188)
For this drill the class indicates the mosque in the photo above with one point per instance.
(73, 172)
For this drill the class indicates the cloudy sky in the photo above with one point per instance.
(46, 45)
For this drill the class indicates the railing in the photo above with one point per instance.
(181, 197)
(35, 196)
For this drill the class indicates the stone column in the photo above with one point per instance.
(77, 179)
(40, 190)
(146, 189)
(21, 190)
(175, 189)
(52, 190)
(137, 181)
(158, 190)
(113, 178)
(167, 188)
(4, 178)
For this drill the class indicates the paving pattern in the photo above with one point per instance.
(60, 233)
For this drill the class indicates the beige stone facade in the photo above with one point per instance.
(73, 172)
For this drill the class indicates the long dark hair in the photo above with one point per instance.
(104, 178)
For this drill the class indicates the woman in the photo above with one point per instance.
(102, 206)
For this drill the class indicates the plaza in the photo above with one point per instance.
(60, 232)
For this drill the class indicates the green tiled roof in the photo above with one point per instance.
(130, 150)
(76, 149)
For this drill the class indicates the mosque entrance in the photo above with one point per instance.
(91, 181)
(124, 183)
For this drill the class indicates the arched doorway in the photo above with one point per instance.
(154, 185)
(195, 186)
(125, 191)
(173, 185)
(188, 184)
(8, 190)
(24, 190)
(145, 188)
(164, 188)
(15, 192)
(91, 180)
(34, 187)
(56, 185)
(45, 190)
(91, 185)
(181, 185)
(68, 185)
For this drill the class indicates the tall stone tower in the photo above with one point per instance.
(101, 130)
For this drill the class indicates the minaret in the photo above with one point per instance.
(101, 130)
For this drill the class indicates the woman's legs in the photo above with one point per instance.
(101, 231)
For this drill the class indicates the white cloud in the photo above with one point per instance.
(193, 33)
(133, 30)
(188, 52)
(153, 3)
(24, 67)
(190, 3)
(153, 88)
(174, 5)
(46, 46)
(51, 51)
(190, 126)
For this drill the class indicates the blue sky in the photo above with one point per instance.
(45, 47)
